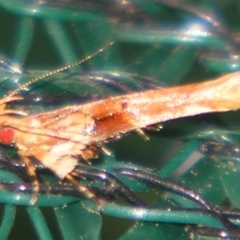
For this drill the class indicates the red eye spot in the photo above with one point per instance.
(6, 136)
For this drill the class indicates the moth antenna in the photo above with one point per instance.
(58, 70)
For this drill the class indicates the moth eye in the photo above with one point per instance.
(6, 136)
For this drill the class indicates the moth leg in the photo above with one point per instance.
(142, 134)
(31, 170)
(82, 188)
(3, 103)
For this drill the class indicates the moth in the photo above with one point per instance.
(59, 138)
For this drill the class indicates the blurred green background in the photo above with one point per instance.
(171, 43)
